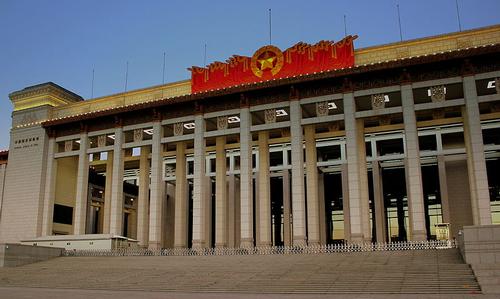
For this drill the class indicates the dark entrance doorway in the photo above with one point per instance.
(277, 220)
(432, 199)
(396, 203)
(334, 208)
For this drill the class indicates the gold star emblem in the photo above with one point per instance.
(266, 63)
(267, 60)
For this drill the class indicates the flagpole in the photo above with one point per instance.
(163, 77)
(458, 17)
(126, 78)
(399, 22)
(345, 26)
(92, 89)
(270, 28)
(205, 56)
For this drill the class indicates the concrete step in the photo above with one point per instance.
(395, 272)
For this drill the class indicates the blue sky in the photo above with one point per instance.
(62, 41)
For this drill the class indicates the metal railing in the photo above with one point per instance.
(270, 250)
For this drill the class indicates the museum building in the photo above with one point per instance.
(316, 144)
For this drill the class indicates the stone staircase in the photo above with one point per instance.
(385, 272)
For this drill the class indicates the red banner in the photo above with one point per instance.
(270, 63)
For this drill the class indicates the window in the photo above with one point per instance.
(328, 153)
(63, 214)
(427, 143)
(275, 158)
(453, 140)
(390, 147)
(491, 136)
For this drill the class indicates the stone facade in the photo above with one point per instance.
(295, 166)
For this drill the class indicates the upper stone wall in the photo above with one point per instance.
(428, 45)
(124, 99)
(406, 49)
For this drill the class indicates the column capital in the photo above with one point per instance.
(468, 68)
(405, 77)
(244, 101)
(198, 108)
(156, 115)
(294, 93)
(118, 121)
(347, 86)
(83, 127)
(51, 132)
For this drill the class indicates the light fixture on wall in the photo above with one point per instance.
(233, 119)
(331, 106)
(189, 126)
(429, 91)
(281, 112)
(149, 131)
(386, 98)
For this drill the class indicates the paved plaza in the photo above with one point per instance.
(418, 272)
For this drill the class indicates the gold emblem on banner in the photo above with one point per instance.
(268, 58)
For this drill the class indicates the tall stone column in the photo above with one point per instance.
(345, 203)
(363, 182)
(107, 193)
(264, 191)
(378, 197)
(474, 146)
(298, 200)
(221, 217)
(246, 180)
(321, 201)
(116, 215)
(312, 187)
(82, 186)
(169, 215)
(50, 188)
(231, 209)
(181, 198)
(199, 181)
(157, 189)
(143, 199)
(443, 188)
(356, 190)
(287, 209)
(414, 189)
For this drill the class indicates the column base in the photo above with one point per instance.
(314, 243)
(154, 245)
(221, 245)
(419, 236)
(198, 244)
(246, 243)
(180, 246)
(357, 238)
(264, 244)
(299, 241)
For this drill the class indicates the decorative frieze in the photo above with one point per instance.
(68, 145)
(178, 129)
(322, 109)
(438, 93)
(285, 132)
(222, 123)
(101, 140)
(333, 126)
(138, 135)
(270, 116)
(384, 120)
(438, 114)
(378, 101)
